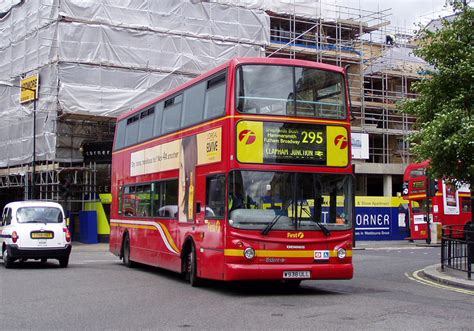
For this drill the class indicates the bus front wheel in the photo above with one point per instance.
(194, 280)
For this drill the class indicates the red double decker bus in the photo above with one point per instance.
(243, 173)
(433, 200)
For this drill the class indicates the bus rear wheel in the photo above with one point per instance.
(126, 252)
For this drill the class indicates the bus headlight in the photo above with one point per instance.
(341, 253)
(249, 253)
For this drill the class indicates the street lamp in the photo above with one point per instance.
(33, 170)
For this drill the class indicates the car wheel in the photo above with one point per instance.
(194, 280)
(43, 260)
(63, 262)
(126, 252)
(7, 260)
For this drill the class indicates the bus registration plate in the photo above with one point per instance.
(296, 274)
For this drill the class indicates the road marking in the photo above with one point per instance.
(391, 248)
(97, 261)
(90, 262)
(415, 277)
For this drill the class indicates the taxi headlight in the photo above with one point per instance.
(249, 253)
(341, 253)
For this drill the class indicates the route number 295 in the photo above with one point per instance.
(311, 137)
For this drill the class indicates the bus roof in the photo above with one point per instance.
(413, 166)
(233, 63)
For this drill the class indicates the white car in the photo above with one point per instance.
(34, 230)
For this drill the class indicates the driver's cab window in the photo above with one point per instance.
(419, 206)
(215, 196)
(240, 193)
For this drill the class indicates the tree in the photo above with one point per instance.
(444, 107)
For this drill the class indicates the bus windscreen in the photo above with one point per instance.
(301, 201)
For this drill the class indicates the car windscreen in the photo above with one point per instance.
(39, 215)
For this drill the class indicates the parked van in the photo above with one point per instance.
(34, 230)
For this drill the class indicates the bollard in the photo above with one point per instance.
(443, 247)
(469, 235)
(435, 229)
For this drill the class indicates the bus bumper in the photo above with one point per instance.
(277, 271)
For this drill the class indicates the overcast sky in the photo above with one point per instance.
(405, 13)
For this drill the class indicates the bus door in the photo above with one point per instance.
(419, 217)
(211, 226)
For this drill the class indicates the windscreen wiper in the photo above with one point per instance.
(271, 224)
(321, 226)
(328, 95)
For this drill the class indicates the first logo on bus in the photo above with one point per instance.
(247, 136)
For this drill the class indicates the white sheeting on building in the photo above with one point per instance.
(106, 57)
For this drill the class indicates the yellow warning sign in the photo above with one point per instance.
(29, 88)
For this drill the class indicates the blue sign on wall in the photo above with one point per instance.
(379, 218)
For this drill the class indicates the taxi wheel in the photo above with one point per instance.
(63, 262)
(7, 260)
(194, 280)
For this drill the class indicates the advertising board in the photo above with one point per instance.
(292, 143)
(380, 218)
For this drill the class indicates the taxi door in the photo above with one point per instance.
(4, 222)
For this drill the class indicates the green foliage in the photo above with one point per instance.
(444, 108)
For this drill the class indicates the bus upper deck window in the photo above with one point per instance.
(417, 173)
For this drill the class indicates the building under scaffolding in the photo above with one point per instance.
(98, 59)
(381, 69)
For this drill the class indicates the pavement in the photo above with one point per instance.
(433, 272)
(100, 247)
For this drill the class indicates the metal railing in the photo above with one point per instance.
(457, 248)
